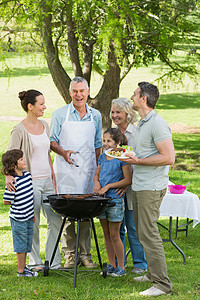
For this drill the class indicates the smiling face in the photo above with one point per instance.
(137, 99)
(108, 142)
(118, 117)
(79, 94)
(21, 164)
(39, 107)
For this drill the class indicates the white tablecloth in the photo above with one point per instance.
(185, 205)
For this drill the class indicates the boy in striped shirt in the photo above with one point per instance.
(22, 208)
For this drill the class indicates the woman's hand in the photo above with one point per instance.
(9, 183)
(121, 191)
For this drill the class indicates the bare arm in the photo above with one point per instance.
(97, 152)
(59, 150)
(52, 173)
(9, 183)
(6, 202)
(119, 184)
(166, 156)
(97, 185)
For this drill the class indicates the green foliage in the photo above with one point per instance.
(140, 31)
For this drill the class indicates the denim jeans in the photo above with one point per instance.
(137, 251)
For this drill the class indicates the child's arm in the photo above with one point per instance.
(34, 209)
(119, 184)
(97, 185)
(8, 197)
(6, 202)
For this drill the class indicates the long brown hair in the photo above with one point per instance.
(117, 136)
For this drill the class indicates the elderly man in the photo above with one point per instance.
(76, 137)
(154, 152)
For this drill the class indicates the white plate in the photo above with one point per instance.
(119, 157)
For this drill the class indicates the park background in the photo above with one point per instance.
(151, 36)
(179, 104)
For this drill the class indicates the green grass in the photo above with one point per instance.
(179, 104)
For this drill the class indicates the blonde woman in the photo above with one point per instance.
(124, 118)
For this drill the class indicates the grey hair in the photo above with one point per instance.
(125, 105)
(78, 79)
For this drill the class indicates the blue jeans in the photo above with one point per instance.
(137, 251)
(22, 233)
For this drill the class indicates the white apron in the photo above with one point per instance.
(77, 136)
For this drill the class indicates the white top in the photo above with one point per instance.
(40, 167)
(186, 205)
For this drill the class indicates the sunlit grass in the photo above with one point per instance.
(179, 104)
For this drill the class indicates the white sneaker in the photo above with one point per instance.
(138, 271)
(141, 278)
(154, 292)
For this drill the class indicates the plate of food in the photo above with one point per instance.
(120, 152)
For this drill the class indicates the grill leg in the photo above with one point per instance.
(57, 242)
(96, 242)
(76, 253)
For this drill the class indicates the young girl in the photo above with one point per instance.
(22, 210)
(112, 174)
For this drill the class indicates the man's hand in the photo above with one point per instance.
(67, 156)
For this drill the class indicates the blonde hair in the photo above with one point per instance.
(125, 105)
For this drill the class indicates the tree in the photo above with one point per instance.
(109, 37)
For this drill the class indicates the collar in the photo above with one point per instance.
(130, 128)
(151, 114)
(74, 110)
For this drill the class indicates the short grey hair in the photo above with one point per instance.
(78, 79)
(125, 105)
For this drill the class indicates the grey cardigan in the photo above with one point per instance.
(20, 139)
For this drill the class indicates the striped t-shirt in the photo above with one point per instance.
(21, 199)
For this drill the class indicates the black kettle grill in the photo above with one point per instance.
(79, 208)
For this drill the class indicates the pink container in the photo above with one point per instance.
(177, 189)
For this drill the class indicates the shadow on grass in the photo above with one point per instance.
(188, 142)
(17, 72)
(179, 101)
(5, 228)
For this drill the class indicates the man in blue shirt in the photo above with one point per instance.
(76, 137)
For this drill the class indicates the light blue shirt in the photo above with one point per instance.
(151, 130)
(59, 116)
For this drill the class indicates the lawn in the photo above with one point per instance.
(177, 105)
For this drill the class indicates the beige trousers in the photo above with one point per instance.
(146, 208)
(68, 239)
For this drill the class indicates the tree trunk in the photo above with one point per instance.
(109, 89)
(59, 75)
